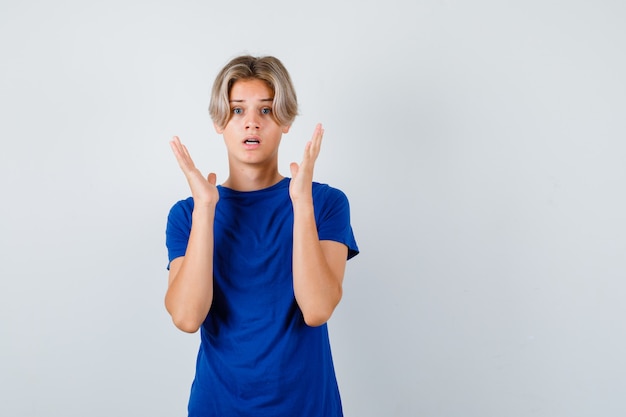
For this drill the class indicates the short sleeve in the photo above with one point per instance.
(178, 229)
(333, 217)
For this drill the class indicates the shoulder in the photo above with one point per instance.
(332, 214)
(327, 192)
(181, 210)
(329, 201)
(327, 195)
(178, 228)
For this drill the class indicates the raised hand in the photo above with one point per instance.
(203, 189)
(301, 185)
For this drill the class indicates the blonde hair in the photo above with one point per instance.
(266, 68)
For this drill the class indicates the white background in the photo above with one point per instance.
(481, 144)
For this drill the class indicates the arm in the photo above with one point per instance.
(190, 283)
(318, 266)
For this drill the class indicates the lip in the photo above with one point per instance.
(251, 145)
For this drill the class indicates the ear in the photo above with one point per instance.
(286, 128)
(218, 129)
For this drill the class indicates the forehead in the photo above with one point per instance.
(251, 90)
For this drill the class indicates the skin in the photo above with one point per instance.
(318, 266)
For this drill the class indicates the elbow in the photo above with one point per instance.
(186, 325)
(184, 320)
(315, 320)
(319, 315)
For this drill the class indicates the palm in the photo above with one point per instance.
(302, 175)
(203, 189)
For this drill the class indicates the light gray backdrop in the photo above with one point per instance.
(481, 144)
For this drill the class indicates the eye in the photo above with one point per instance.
(237, 110)
(266, 110)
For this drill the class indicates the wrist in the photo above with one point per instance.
(302, 205)
(202, 211)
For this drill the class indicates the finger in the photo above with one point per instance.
(182, 154)
(307, 149)
(316, 141)
(185, 151)
(212, 178)
(175, 145)
(318, 132)
(293, 167)
(312, 147)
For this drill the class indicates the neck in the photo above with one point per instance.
(252, 179)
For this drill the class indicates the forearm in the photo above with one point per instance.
(317, 288)
(190, 291)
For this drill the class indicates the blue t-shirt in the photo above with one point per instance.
(257, 356)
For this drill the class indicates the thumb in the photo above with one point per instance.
(294, 169)
(212, 178)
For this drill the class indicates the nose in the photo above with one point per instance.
(252, 121)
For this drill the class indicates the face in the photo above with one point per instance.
(252, 135)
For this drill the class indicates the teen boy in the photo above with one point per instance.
(257, 263)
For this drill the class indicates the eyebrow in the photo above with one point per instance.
(242, 101)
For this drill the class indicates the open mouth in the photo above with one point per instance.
(251, 142)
